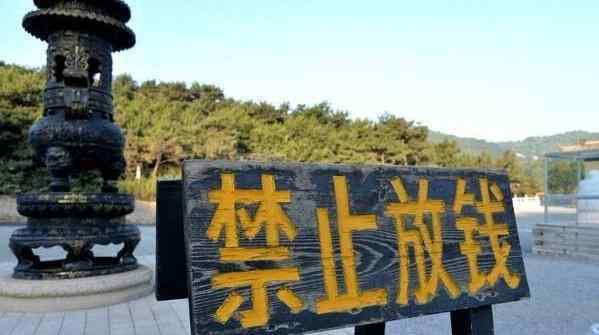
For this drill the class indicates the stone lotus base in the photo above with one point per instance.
(76, 222)
(39, 296)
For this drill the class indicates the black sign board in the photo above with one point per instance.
(289, 249)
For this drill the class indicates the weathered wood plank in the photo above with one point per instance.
(347, 245)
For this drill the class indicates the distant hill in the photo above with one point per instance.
(528, 148)
(467, 144)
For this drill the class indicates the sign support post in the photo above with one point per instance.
(371, 329)
(472, 321)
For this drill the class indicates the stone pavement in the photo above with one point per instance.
(565, 301)
(144, 316)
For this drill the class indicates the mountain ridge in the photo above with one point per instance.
(529, 148)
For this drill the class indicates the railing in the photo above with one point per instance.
(559, 200)
(526, 200)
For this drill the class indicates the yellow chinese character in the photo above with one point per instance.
(269, 214)
(272, 217)
(420, 240)
(471, 248)
(346, 223)
(225, 216)
(257, 280)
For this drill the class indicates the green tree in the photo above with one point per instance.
(562, 177)
(167, 122)
(510, 163)
(397, 141)
(324, 113)
(301, 138)
(20, 105)
(446, 154)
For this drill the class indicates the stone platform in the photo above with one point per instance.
(570, 240)
(40, 296)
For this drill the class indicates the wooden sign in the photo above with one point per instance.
(289, 249)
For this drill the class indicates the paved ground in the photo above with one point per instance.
(565, 301)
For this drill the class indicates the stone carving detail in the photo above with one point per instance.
(77, 133)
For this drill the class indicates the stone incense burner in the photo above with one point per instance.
(77, 133)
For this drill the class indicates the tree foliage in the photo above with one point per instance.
(562, 177)
(20, 105)
(168, 122)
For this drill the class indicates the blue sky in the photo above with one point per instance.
(497, 70)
